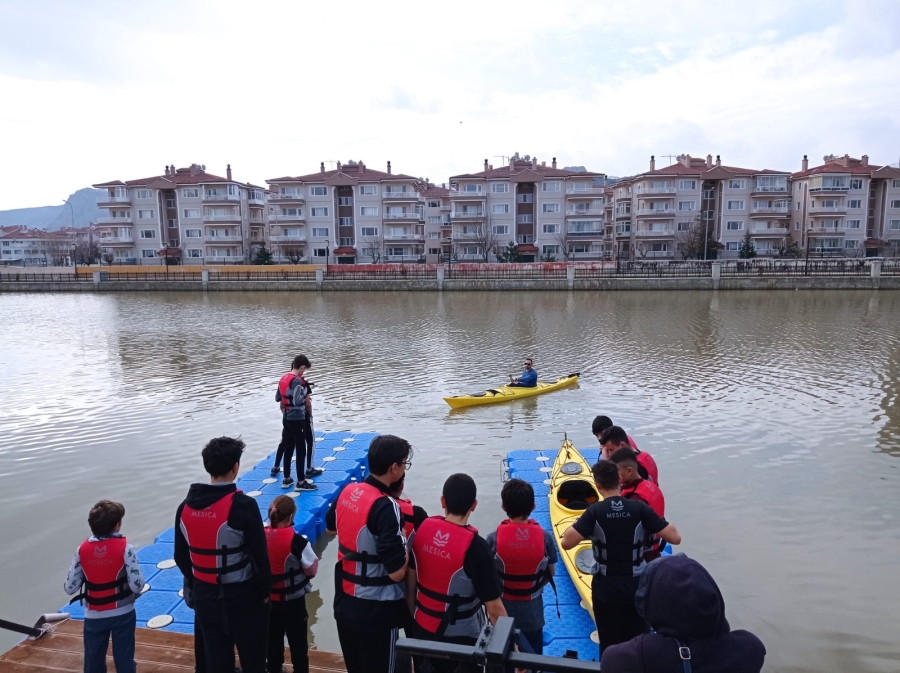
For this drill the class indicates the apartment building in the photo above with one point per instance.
(21, 246)
(654, 211)
(437, 222)
(204, 218)
(549, 212)
(846, 206)
(349, 215)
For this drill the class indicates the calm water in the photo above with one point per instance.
(773, 417)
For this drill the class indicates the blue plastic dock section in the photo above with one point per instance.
(343, 456)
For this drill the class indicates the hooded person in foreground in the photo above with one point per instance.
(682, 603)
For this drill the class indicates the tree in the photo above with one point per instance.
(790, 250)
(56, 252)
(563, 238)
(509, 254)
(87, 252)
(108, 257)
(746, 250)
(548, 257)
(263, 256)
(698, 238)
(486, 240)
(293, 252)
(374, 246)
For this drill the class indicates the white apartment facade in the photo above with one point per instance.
(349, 215)
(549, 212)
(21, 246)
(186, 212)
(437, 222)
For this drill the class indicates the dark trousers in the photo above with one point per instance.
(367, 651)
(288, 618)
(238, 620)
(310, 442)
(96, 643)
(426, 665)
(535, 640)
(293, 435)
(617, 623)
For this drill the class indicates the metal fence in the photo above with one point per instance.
(647, 270)
(536, 272)
(260, 275)
(42, 278)
(409, 272)
(890, 267)
(796, 268)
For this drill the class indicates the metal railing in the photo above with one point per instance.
(6, 277)
(220, 196)
(890, 267)
(297, 196)
(817, 267)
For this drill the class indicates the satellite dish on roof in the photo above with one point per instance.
(680, 157)
(828, 157)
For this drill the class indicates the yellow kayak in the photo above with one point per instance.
(571, 491)
(506, 393)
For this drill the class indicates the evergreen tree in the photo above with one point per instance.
(263, 256)
(746, 249)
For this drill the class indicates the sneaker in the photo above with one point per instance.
(287, 483)
(275, 470)
(314, 472)
(306, 485)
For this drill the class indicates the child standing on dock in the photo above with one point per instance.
(526, 560)
(107, 569)
(294, 564)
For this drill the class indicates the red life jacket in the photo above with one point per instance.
(217, 550)
(363, 574)
(408, 520)
(522, 559)
(646, 461)
(649, 493)
(286, 567)
(105, 580)
(283, 386)
(446, 603)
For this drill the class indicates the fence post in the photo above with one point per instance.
(204, 278)
(875, 271)
(320, 278)
(570, 276)
(440, 278)
(96, 277)
(716, 274)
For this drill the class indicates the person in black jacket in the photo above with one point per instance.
(220, 548)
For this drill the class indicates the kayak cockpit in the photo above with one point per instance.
(576, 494)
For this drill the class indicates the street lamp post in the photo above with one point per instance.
(74, 245)
(806, 266)
(327, 255)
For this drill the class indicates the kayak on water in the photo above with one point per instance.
(572, 490)
(505, 393)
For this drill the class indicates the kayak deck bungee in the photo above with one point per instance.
(572, 491)
(506, 393)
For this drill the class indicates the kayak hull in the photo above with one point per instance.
(507, 393)
(571, 491)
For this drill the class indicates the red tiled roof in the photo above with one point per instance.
(344, 251)
(855, 167)
(350, 170)
(182, 176)
(434, 190)
(545, 171)
(528, 248)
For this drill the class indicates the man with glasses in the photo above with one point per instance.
(528, 379)
(370, 592)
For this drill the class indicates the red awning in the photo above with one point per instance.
(528, 248)
(169, 252)
(344, 251)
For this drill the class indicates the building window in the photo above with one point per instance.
(194, 253)
(471, 189)
(551, 249)
(852, 224)
(500, 209)
(851, 244)
(687, 184)
(550, 207)
(551, 186)
(170, 203)
(368, 211)
(344, 221)
(734, 225)
(499, 187)
(731, 245)
(320, 232)
(434, 204)
(193, 233)
(192, 193)
(434, 251)
(854, 203)
(319, 212)
(292, 212)
(148, 233)
(894, 225)
(368, 189)
(369, 231)
(145, 214)
(684, 226)
(895, 203)
(687, 205)
(736, 184)
(318, 191)
(735, 205)
(856, 183)
(345, 200)
(501, 229)
(148, 253)
(191, 213)
(550, 228)
(320, 252)
(144, 194)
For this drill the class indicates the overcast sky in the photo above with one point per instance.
(92, 91)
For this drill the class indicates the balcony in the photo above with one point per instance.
(253, 201)
(770, 189)
(584, 211)
(403, 258)
(256, 221)
(581, 192)
(829, 188)
(655, 212)
(647, 190)
(782, 211)
(114, 220)
(223, 259)
(467, 214)
(115, 240)
(403, 216)
(445, 207)
(524, 219)
(290, 196)
(524, 239)
(467, 234)
(598, 233)
(401, 196)
(828, 231)
(404, 237)
(827, 210)
(288, 238)
(221, 196)
(653, 253)
(287, 218)
(113, 201)
(232, 217)
(769, 231)
(625, 214)
(654, 233)
(456, 194)
(215, 240)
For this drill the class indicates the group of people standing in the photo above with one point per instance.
(435, 577)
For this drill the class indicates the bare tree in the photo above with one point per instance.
(374, 245)
(563, 238)
(56, 251)
(87, 252)
(692, 242)
(486, 239)
(292, 252)
(108, 258)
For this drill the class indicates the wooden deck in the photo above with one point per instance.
(155, 652)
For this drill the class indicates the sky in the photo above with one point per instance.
(92, 91)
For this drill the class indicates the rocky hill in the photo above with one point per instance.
(52, 218)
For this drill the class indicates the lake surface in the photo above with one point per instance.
(773, 418)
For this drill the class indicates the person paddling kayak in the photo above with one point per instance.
(528, 379)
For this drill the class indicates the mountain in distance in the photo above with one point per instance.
(53, 218)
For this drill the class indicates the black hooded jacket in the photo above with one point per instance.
(244, 516)
(679, 599)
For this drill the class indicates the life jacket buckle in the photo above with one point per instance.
(684, 653)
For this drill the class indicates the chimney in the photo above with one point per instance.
(652, 163)
(172, 170)
(167, 171)
(322, 167)
(485, 164)
(490, 167)
(389, 167)
(534, 162)
(864, 160)
(686, 160)
(804, 165)
(228, 172)
(339, 165)
(362, 166)
(718, 160)
(553, 165)
(194, 169)
(846, 160)
(709, 160)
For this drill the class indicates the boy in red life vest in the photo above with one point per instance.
(412, 515)
(452, 575)
(294, 564)
(613, 438)
(636, 488)
(526, 558)
(220, 548)
(107, 569)
(292, 396)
